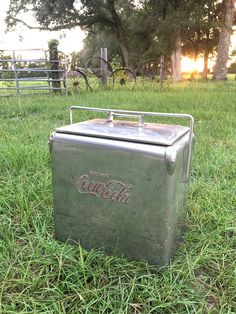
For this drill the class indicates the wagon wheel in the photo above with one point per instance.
(122, 77)
(77, 81)
(93, 71)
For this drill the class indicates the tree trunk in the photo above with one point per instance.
(119, 33)
(124, 50)
(176, 58)
(162, 69)
(205, 67)
(103, 66)
(220, 70)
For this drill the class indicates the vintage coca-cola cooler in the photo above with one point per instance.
(121, 185)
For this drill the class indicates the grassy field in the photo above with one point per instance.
(40, 275)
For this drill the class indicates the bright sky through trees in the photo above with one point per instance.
(24, 38)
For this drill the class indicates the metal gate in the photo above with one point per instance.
(30, 72)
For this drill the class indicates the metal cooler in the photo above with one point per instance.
(121, 185)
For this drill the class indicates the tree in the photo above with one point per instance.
(220, 69)
(74, 59)
(170, 18)
(232, 68)
(95, 39)
(187, 26)
(202, 33)
(5, 64)
(66, 14)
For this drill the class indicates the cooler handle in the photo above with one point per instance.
(112, 114)
(140, 115)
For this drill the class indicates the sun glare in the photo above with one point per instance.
(189, 65)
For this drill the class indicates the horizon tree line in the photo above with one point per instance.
(141, 30)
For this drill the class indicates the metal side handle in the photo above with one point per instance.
(141, 115)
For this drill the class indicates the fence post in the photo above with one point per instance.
(15, 72)
(48, 74)
(65, 75)
(54, 65)
(103, 65)
(162, 69)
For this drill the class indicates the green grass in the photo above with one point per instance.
(40, 275)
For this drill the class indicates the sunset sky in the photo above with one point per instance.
(70, 40)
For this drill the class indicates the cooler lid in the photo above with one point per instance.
(152, 133)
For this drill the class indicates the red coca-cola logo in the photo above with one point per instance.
(112, 190)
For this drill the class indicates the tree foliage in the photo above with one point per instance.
(95, 40)
(136, 31)
(65, 14)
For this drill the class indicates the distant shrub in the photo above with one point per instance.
(232, 68)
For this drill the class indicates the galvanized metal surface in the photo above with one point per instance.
(128, 131)
(128, 198)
